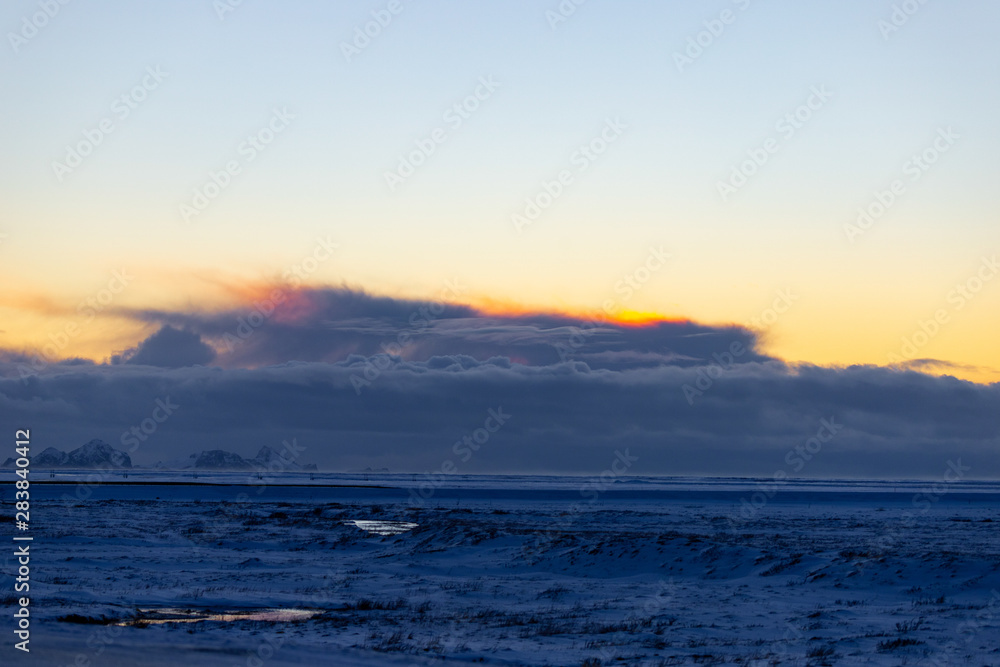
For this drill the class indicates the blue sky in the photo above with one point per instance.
(557, 87)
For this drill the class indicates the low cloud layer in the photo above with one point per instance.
(365, 381)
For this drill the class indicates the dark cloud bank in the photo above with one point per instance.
(366, 381)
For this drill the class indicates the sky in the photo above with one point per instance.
(602, 193)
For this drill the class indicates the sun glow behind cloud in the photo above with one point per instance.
(66, 327)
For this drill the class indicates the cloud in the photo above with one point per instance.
(169, 348)
(565, 417)
(329, 324)
(931, 365)
(361, 380)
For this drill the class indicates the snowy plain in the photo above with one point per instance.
(363, 569)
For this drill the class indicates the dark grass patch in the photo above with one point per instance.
(88, 620)
(901, 642)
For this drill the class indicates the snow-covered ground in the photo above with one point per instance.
(162, 568)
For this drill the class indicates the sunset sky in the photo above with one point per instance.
(709, 162)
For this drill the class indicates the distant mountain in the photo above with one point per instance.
(99, 454)
(267, 460)
(49, 458)
(217, 459)
(94, 454)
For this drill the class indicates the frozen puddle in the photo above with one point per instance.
(385, 527)
(171, 615)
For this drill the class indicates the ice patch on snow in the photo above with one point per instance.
(385, 527)
(175, 615)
